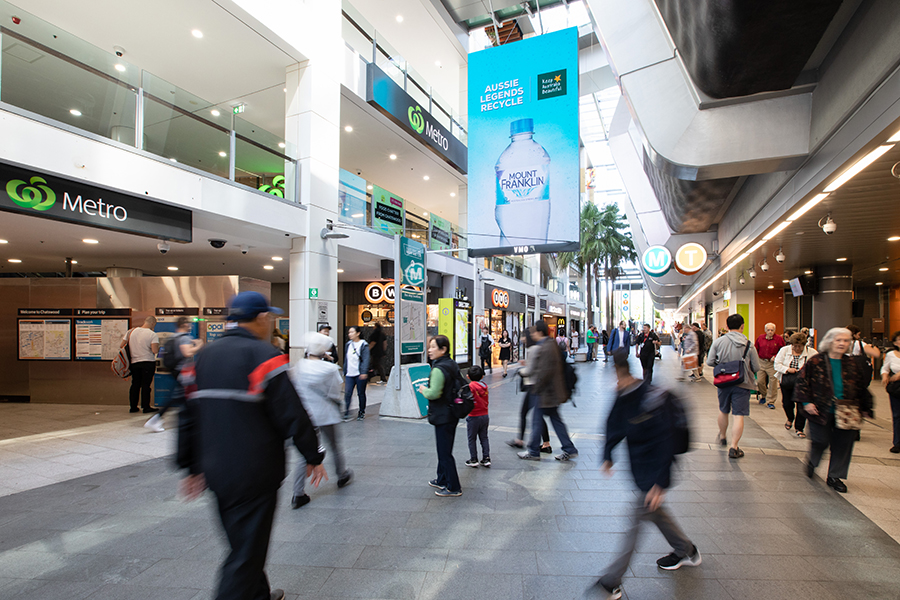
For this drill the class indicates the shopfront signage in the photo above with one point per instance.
(74, 312)
(215, 311)
(656, 261)
(412, 263)
(524, 168)
(554, 309)
(500, 298)
(690, 258)
(38, 194)
(440, 236)
(380, 291)
(575, 313)
(390, 99)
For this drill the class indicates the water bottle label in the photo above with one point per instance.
(520, 185)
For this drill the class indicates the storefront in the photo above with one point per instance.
(576, 323)
(368, 304)
(555, 317)
(506, 311)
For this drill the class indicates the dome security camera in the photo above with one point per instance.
(217, 244)
(163, 247)
(780, 256)
(119, 50)
(828, 226)
(245, 249)
(742, 281)
(764, 265)
(752, 273)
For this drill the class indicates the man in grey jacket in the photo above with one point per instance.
(735, 399)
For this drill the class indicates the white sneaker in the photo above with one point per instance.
(154, 423)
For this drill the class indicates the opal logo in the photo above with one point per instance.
(37, 195)
(656, 261)
(416, 120)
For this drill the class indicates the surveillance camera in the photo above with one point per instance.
(119, 50)
(217, 244)
(715, 293)
(163, 247)
(752, 273)
(780, 256)
(829, 227)
(742, 281)
(764, 266)
(358, 172)
(245, 249)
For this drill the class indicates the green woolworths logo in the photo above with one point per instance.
(36, 196)
(416, 120)
(277, 187)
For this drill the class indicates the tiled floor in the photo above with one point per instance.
(88, 510)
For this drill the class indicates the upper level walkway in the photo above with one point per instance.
(88, 509)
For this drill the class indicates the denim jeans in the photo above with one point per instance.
(360, 385)
(537, 417)
(446, 468)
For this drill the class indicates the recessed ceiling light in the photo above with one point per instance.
(340, 270)
(223, 154)
(437, 63)
(357, 216)
(880, 283)
(425, 214)
(4, 241)
(75, 112)
(173, 268)
(268, 267)
(393, 157)
(174, 159)
(14, 260)
(281, 144)
(785, 281)
(348, 129)
(883, 269)
(894, 238)
(74, 262)
(368, 187)
(90, 241)
(277, 258)
(453, 194)
(399, 18)
(807, 272)
(197, 33)
(426, 178)
(284, 90)
(120, 67)
(841, 259)
(771, 287)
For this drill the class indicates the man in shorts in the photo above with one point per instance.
(735, 399)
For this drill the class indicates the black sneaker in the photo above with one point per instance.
(486, 461)
(434, 483)
(299, 501)
(837, 484)
(134, 410)
(472, 462)
(445, 493)
(546, 450)
(895, 450)
(344, 480)
(360, 416)
(770, 405)
(673, 562)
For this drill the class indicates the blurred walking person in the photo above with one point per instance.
(890, 378)
(640, 415)
(647, 344)
(241, 408)
(526, 402)
(318, 382)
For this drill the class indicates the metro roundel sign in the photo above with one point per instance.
(690, 258)
(656, 261)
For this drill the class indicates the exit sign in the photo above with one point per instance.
(238, 108)
(313, 292)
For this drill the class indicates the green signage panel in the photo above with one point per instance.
(313, 292)
(389, 211)
(419, 375)
(412, 263)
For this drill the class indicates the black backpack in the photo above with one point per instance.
(463, 403)
(678, 418)
(171, 354)
(570, 377)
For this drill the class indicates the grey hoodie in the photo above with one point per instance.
(731, 347)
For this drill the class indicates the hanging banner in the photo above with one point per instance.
(439, 234)
(524, 170)
(388, 210)
(412, 330)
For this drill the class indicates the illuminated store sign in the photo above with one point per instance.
(378, 292)
(500, 298)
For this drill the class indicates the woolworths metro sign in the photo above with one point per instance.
(402, 109)
(30, 192)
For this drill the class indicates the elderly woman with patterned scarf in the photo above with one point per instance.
(833, 394)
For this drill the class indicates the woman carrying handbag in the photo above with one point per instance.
(890, 378)
(833, 393)
(788, 362)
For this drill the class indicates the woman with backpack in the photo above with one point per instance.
(442, 389)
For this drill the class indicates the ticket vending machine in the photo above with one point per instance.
(455, 321)
(166, 320)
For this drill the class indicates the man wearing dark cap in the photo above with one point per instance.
(331, 355)
(241, 407)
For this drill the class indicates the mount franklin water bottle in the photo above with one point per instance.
(523, 188)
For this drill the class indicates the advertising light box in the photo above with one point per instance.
(389, 211)
(524, 171)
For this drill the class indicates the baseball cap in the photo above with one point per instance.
(323, 326)
(247, 305)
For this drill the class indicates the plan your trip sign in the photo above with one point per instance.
(31, 192)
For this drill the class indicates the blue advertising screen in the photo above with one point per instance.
(524, 175)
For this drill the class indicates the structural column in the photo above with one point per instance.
(832, 306)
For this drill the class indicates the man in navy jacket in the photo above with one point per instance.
(640, 416)
(619, 338)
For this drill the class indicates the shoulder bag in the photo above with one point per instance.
(121, 364)
(731, 373)
(847, 416)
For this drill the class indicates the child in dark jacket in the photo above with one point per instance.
(478, 420)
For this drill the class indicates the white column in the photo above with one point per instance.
(312, 125)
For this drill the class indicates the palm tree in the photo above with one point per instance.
(615, 247)
(588, 255)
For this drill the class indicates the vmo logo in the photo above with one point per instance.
(656, 261)
(500, 298)
(377, 292)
